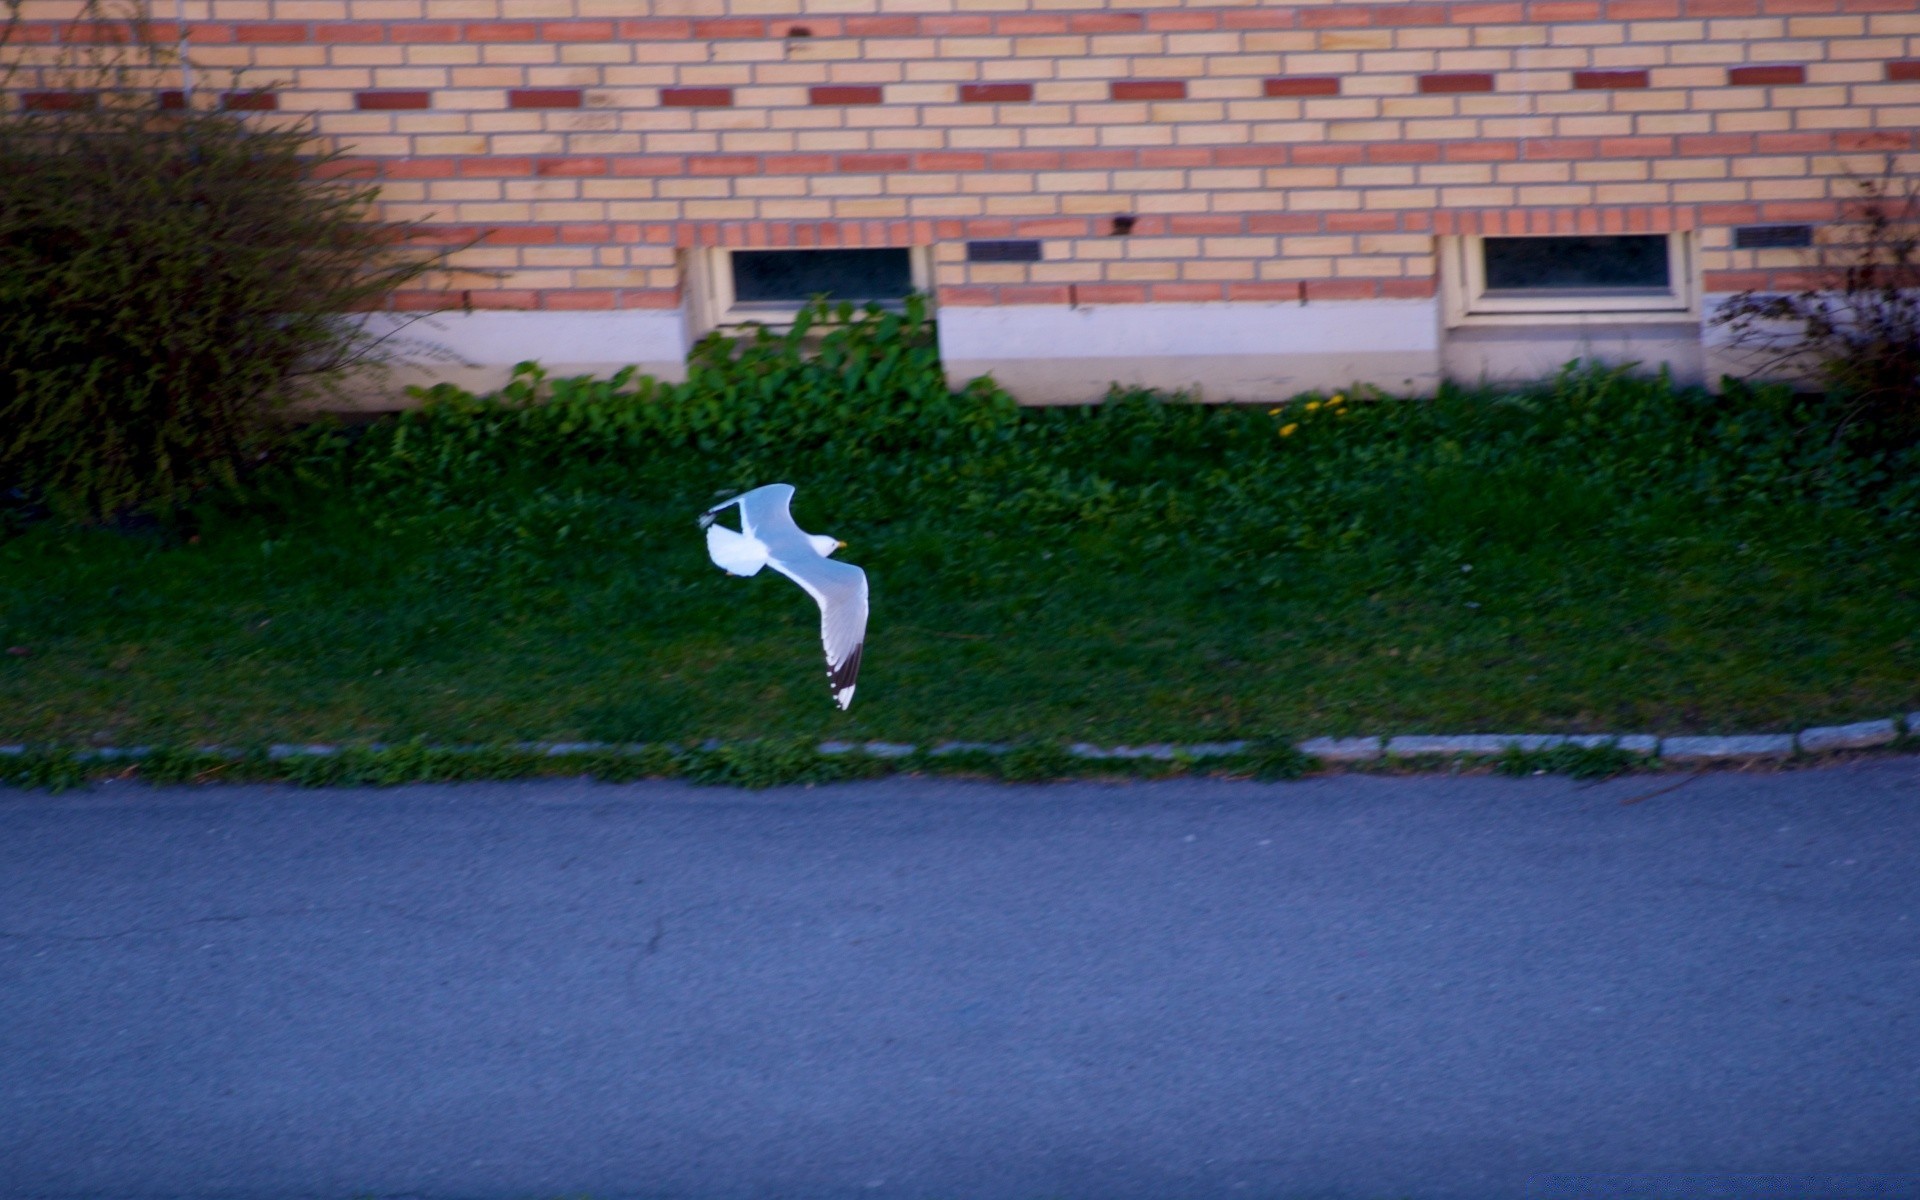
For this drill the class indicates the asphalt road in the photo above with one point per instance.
(1347, 987)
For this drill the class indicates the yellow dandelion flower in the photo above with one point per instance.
(1338, 398)
(1287, 430)
(1313, 406)
(1273, 412)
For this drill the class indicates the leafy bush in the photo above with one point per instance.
(1856, 326)
(168, 280)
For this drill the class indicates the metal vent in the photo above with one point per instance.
(1772, 237)
(1003, 251)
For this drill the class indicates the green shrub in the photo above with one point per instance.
(168, 282)
(1856, 328)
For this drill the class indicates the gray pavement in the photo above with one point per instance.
(1353, 986)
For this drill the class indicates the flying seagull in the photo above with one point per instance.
(768, 537)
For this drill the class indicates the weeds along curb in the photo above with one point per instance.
(769, 763)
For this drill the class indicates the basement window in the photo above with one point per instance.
(1569, 280)
(734, 287)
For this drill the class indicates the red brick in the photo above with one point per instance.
(1717, 143)
(1187, 293)
(1872, 139)
(1024, 160)
(1036, 294)
(277, 31)
(1642, 10)
(1407, 289)
(1282, 223)
(995, 93)
(1031, 25)
(893, 26)
(1564, 10)
(249, 101)
(1590, 81)
(350, 33)
(391, 101)
(98, 33)
(843, 95)
(580, 300)
(1487, 14)
(656, 29)
(1096, 160)
(979, 297)
(1331, 17)
(1052, 227)
(437, 32)
(577, 31)
(1410, 14)
(501, 298)
(1176, 156)
(799, 164)
(1734, 281)
(1259, 18)
(1403, 152)
(1106, 22)
(1729, 214)
(953, 25)
(646, 166)
(1466, 82)
(866, 164)
(1111, 293)
(1793, 143)
(419, 168)
(951, 160)
(1905, 71)
(1722, 8)
(1554, 148)
(724, 164)
(58, 101)
(1362, 222)
(1253, 156)
(1148, 89)
(1481, 151)
(1294, 291)
(1327, 154)
(1182, 22)
(730, 27)
(1302, 85)
(571, 167)
(1340, 289)
(1765, 76)
(496, 166)
(1216, 225)
(696, 97)
(500, 31)
(1636, 147)
(544, 98)
(522, 235)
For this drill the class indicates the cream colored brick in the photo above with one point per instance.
(1666, 31)
(1611, 171)
(1455, 174)
(1203, 271)
(1631, 193)
(1362, 267)
(1355, 39)
(1826, 27)
(1533, 172)
(1551, 60)
(1510, 35)
(1282, 269)
(1365, 178)
(1432, 39)
(1721, 191)
(1762, 121)
(1673, 123)
(1707, 52)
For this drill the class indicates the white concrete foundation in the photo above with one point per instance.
(1497, 354)
(1221, 352)
(478, 350)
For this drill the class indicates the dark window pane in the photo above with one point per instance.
(1535, 263)
(786, 276)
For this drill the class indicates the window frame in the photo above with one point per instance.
(709, 276)
(1463, 262)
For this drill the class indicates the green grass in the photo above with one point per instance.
(1608, 555)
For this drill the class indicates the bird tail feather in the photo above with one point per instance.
(735, 553)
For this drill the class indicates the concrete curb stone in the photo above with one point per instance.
(1813, 740)
(1696, 749)
(1859, 735)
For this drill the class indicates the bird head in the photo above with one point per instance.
(825, 545)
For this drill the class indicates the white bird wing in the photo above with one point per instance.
(841, 591)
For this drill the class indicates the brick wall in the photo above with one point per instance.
(1266, 151)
